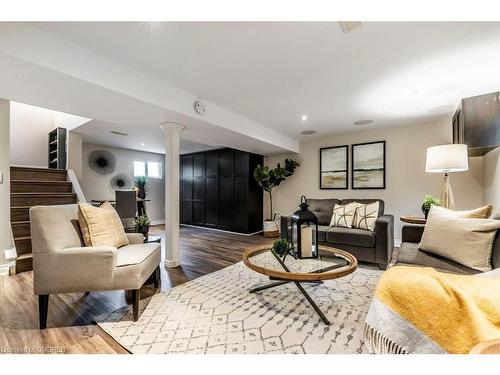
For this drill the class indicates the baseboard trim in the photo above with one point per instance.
(222, 230)
(4, 269)
(171, 263)
(157, 222)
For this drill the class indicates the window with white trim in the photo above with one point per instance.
(150, 169)
(154, 169)
(139, 168)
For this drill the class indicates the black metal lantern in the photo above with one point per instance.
(305, 232)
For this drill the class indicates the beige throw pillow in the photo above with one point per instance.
(101, 226)
(366, 216)
(467, 241)
(477, 213)
(343, 215)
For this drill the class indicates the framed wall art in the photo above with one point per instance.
(333, 167)
(368, 165)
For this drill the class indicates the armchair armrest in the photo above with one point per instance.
(284, 224)
(76, 269)
(384, 243)
(412, 233)
(135, 238)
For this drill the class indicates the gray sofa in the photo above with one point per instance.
(367, 246)
(410, 255)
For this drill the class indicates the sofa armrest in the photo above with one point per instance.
(384, 243)
(135, 238)
(412, 233)
(284, 224)
(76, 269)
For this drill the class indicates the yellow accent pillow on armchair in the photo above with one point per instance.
(101, 226)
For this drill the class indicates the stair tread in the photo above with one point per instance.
(42, 182)
(20, 222)
(24, 256)
(38, 169)
(48, 193)
(22, 238)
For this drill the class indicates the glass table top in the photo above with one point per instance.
(331, 263)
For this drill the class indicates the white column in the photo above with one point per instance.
(5, 231)
(172, 180)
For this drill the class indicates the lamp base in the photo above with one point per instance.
(447, 199)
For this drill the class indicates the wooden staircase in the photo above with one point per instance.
(33, 187)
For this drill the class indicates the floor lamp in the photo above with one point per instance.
(446, 159)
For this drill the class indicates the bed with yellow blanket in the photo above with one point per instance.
(421, 310)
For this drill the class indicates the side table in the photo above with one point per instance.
(414, 219)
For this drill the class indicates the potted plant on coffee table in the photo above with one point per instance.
(142, 224)
(268, 179)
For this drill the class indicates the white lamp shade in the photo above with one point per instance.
(447, 158)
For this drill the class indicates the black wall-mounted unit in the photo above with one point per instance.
(218, 190)
(476, 123)
(57, 148)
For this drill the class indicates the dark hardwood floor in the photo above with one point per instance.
(69, 325)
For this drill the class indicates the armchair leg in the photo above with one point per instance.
(157, 282)
(136, 296)
(43, 309)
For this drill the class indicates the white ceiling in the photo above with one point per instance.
(271, 73)
(150, 139)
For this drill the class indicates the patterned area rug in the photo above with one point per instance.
(216, 314)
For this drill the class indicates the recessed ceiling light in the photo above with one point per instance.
(118, 133)
(308, 132)
(363, 122)
(142, 144)
(303, 117)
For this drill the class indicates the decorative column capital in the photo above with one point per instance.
(172, 126)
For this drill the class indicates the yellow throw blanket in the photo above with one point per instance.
(419, 310)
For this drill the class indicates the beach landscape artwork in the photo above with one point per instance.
(368, 165)
(333, 167)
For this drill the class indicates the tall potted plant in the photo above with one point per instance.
(268, 179)
(140, 183)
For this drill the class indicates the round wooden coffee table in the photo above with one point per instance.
(331, 264)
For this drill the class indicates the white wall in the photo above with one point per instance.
(5, 231)
(29, 128)
(95, 186)
(75, 150)
(491, 179)
(406, 179)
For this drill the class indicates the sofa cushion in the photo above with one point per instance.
(381, 205)
(350, 236)
(135, 254)
(323, 209)
(409, 254)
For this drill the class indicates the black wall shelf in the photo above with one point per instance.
(57, 148)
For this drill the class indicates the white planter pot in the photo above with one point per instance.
(271, 229)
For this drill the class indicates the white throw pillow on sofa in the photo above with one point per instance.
(366, 216)
(343, 215)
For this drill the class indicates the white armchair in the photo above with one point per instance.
(62, 263)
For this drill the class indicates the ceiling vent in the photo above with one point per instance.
(348, 26)
(118, 133)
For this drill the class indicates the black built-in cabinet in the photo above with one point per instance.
(217, 190)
